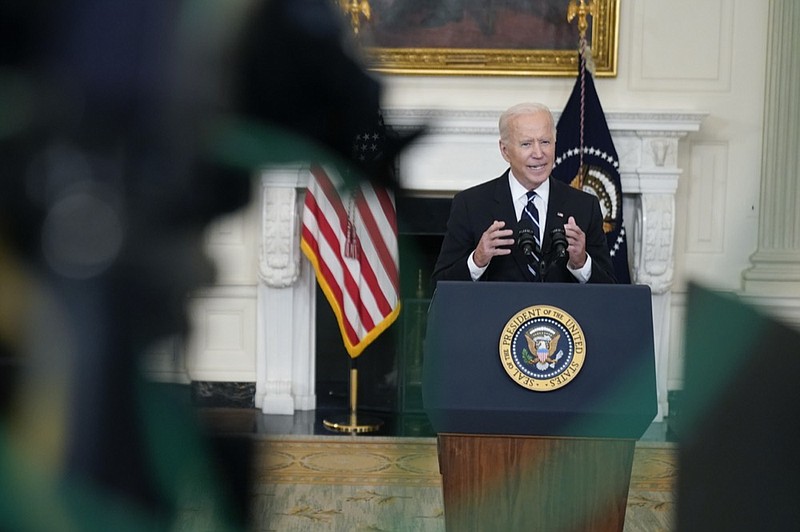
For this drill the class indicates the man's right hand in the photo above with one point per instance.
(494, 241)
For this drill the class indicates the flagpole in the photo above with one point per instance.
(351, 422)
(583, 11)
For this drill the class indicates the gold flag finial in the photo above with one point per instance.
(355, 8)
(583, 11)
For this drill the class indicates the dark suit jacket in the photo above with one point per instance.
(473, 211)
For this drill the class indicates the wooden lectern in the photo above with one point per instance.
(514, 458)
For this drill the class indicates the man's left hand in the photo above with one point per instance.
(576, 239)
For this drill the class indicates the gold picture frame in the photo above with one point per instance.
(485, 37)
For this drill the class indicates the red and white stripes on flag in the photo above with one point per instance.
(362, 283)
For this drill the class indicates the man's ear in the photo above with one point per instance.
(502, 149)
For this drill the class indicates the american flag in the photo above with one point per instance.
(350, 237)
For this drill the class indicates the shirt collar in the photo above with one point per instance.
(518, 191)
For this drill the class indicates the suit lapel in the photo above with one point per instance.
(503, 203)
(504, 210)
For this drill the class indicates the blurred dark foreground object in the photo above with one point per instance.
(300, 70)
(739, 433)
(118, 145)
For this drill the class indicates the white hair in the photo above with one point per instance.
(520, 109)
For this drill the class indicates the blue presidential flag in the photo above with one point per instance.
(586, 159)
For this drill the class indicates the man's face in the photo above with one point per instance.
(530, 148)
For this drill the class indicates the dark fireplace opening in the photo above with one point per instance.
(389, 369)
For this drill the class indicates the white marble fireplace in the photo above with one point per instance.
(460, 150)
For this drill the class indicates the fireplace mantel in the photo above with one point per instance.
(459, 150)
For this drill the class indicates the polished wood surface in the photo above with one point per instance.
(513, 483)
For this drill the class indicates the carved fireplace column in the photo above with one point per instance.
(648, 150)
(285, 335)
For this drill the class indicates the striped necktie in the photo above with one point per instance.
(532, 213)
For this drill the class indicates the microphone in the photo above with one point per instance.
(526, 239)
(558, 244)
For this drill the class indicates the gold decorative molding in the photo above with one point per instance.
(603, 29)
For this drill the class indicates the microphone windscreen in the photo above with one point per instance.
(526, 237)
(559, 242)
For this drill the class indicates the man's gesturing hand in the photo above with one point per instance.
(494, 241)
(577, 244)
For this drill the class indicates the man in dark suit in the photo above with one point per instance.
(481, 242)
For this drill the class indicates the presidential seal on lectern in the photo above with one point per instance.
(542, 348)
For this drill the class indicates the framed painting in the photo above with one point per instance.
(485, 37)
